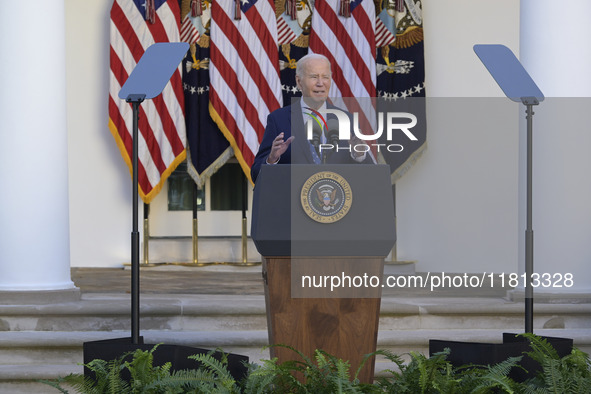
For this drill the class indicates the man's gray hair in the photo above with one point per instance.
(300, 65)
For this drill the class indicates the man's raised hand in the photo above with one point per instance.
(278, 148)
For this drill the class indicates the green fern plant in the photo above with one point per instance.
(435, 374)
(323, 374)
(420, 375)
(486, 379)
(108, 379)
(211, 377)
(219, 379)
(569, 374)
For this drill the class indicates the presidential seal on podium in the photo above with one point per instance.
(326, 197)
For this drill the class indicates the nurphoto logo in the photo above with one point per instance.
(340, 129)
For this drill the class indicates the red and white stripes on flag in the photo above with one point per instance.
(284, 33)
(349, 44)
(244, 73)
(189, 32)
(383, 35)
(162, 137)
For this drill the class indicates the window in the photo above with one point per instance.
(180, 191)
(226, 188)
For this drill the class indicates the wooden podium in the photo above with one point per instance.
(317, 225)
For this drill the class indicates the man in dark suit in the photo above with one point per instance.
(285, 140)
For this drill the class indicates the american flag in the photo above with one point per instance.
(162, 139)
(383, 35)
(189, 32)
(244, 73)
(285, 34)
(349, 43)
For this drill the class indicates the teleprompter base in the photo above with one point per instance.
(177, 355)
(462, 353)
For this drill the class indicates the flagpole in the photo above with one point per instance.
(146, 234)
(195, 227)
(244, 204)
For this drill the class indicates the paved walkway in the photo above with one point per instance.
(172, 280)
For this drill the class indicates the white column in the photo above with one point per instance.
(555, 49)
(34, 220)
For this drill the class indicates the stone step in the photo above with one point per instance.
(65, 348)
(109, 312)
(477, 313)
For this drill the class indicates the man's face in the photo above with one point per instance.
(315, 82)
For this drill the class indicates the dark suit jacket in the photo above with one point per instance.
(298, 151)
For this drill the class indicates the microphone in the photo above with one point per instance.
(332, 135)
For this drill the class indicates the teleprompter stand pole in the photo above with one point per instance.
(146, 81)
(135, 100)
(518, 86)
(529, 102)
